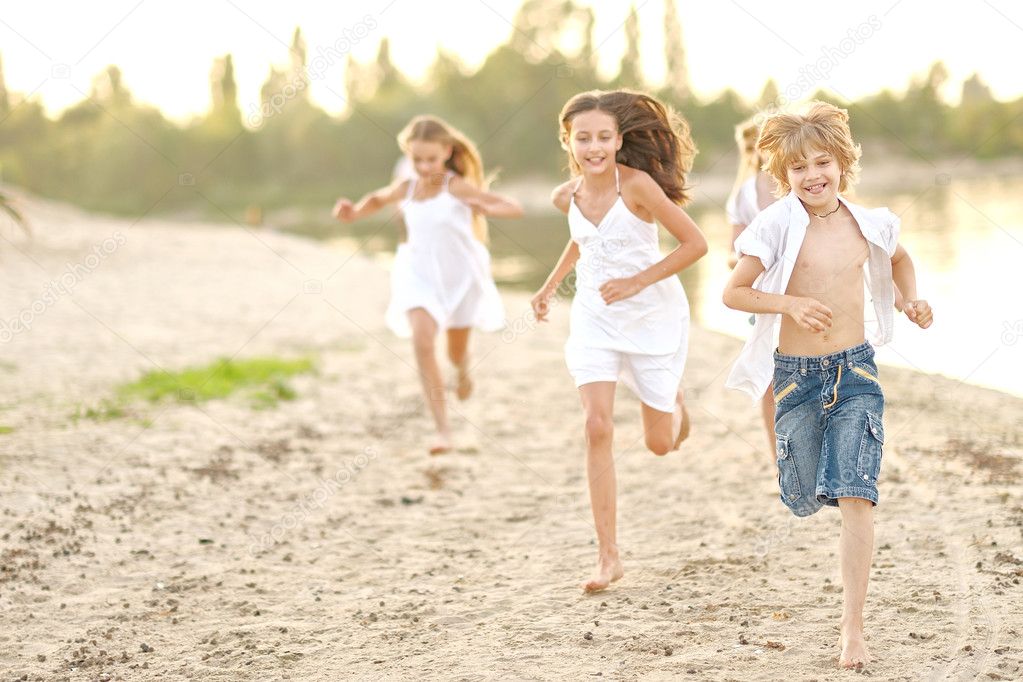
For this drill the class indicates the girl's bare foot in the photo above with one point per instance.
(463, 388)
(680, 421)
(609, 569)
(854, 648)
(441, 444)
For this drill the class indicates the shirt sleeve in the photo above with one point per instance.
(891, 232)
(759, 239)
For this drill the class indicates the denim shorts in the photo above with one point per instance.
(828, 411)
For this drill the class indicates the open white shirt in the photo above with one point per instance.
(775, 237)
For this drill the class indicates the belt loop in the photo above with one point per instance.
(802, 366)
(849, 359)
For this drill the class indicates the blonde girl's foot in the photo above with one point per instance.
(441, 444)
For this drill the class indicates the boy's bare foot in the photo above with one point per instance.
(854, 649)
(440, 444)
(463, 388)
(680, 422)
(609, 569)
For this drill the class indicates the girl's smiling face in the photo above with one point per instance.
(815, 178)
(594, 140)
(428, 158)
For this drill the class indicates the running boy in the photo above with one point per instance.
(801, 262)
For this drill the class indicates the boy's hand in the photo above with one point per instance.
(619, 289)
(344, 210)
(919, 312)
(810, 314)
(541, 304)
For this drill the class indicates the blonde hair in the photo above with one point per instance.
(746, 134)
(465, 158)
(789, 136)
(655, 139)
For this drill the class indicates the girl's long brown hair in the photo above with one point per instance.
(465, 158)
(655, 139)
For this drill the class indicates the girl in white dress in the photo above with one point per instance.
(753, 192)
(630, 318)
(441, 276)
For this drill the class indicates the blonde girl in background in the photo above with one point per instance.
(441, 277)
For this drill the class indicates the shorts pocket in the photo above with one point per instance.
(788, 479)
(866, 372)
(784, 387)
(868, 465)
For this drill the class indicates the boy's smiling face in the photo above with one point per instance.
(815, 179)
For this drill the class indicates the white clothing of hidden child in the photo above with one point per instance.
(643, 339)
(442, 268)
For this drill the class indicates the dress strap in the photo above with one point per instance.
(447, 179)
(618, 185)
(411, 188)
(577, 186)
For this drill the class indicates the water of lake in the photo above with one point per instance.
(965, 237)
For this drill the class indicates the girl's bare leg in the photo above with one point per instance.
(424, 334)
(855, 549)
(598, 405)
(458, 352)
(662, 429)
(767, 409)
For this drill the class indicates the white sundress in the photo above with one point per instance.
(442, 267)
(650, 329)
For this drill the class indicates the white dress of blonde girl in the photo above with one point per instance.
(442, 268)
(641, 340)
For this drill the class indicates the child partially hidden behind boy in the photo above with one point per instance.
(801, 261)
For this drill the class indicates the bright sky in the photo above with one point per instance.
(165, 49)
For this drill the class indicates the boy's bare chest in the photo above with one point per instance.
(831, 252)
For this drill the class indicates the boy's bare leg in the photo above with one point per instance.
(458, 352)
(598, 405)
(856, 547)
(424, 333)
(767, 410)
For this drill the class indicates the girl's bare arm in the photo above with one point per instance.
(347, 212)
(487, 203)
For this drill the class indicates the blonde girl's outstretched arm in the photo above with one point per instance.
(692, 245)
(347, 212)
(489, 204)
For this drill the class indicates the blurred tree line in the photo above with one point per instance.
(110, 153)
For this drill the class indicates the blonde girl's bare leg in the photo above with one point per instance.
(458, 353)
(424, 334)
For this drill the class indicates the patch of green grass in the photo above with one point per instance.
(6, 429)
(262, 380)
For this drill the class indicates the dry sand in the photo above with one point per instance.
(317, 540)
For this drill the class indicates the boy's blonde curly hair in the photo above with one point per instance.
(786, 137)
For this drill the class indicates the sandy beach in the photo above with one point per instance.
(318, 541)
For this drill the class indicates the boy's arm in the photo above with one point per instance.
(487, 203)
(808, 313)
(347, 212)
(904, 275)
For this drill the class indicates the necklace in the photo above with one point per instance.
(829, 212)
